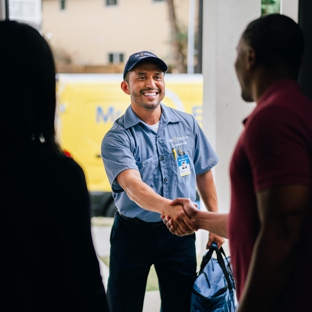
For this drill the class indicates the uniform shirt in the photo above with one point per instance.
(132, 144)
(274, 149)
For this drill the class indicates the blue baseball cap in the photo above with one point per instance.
(137, 57)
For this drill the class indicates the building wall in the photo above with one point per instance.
(89, 30)
(223, 107)
(290, 8)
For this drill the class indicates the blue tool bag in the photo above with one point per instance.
(214, 287)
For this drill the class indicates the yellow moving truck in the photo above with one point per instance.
(88, 105)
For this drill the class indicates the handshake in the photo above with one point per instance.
(182, 217)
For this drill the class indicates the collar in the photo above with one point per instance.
(285, 84)
(167, 116)
(280, 86)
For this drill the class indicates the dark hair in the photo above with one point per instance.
(27, 82)
(275, 38)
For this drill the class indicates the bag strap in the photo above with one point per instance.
(222, 265)
(220, 254)
(206, 259)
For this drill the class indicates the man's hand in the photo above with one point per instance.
(185, 225)
(215, 238)
(178, 221)
(191, 211)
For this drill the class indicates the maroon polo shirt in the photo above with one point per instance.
(274, 149)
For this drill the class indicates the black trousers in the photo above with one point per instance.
(135, 246)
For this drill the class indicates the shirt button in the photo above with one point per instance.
(162, 158)
(165, 179)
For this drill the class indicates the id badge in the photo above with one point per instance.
(184, 165)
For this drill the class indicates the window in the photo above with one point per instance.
(115, 58)
(25, 11)
(111, 2)
(62, 4)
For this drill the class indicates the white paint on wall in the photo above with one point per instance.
(224, 110)
(290, 8)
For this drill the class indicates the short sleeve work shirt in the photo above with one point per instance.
(132, 144)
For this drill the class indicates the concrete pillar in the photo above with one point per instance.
(224, 21)
(290, 8)
(2, 10)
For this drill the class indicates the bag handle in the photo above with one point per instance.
(220, 253)
(208, 255)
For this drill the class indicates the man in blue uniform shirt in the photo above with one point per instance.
(143, 155)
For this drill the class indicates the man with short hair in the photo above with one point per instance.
(143, 154)
(270, 221)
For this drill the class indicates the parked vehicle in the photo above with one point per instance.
(88, 105)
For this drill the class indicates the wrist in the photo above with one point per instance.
(165, 207)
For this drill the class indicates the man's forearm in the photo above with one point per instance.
(212, 222)
(145, 197)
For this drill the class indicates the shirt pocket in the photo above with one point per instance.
(147, 168)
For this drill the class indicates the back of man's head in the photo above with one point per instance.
(277, 39)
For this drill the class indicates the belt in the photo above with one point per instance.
(138, 221)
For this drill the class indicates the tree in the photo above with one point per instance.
(199, 38)
(178, 40)
(270, 6)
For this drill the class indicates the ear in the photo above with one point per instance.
(251, 58)
(125, 87)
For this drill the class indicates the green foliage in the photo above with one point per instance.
(270, 6)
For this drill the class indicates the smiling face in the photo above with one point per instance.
(146, 86)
